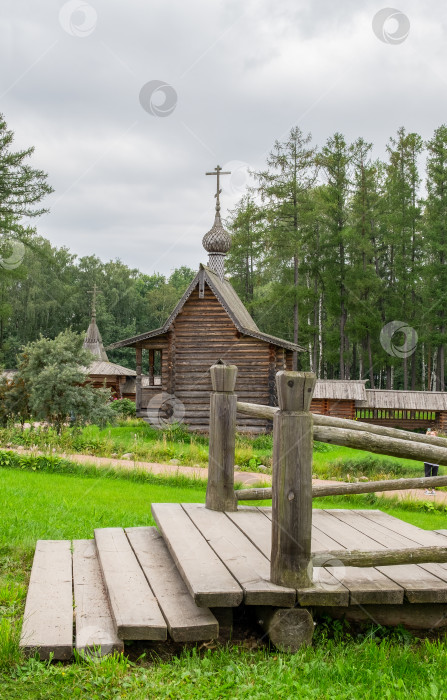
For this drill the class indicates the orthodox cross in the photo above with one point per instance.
(218, 172)
(94, 292)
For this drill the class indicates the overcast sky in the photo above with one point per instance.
(129, 181)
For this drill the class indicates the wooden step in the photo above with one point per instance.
(420, 585)
(185, 620)
(246, 563)
(207, 578)
(95, 628)
(48, 618)
(133, 605)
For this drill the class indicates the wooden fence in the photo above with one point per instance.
(294, 429)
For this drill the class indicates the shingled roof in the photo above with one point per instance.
(109, 369)
(230, 301)
(347, 389)
(405, 400)
(101, 366)
(93, 341)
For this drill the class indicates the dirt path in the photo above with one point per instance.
(245, 478)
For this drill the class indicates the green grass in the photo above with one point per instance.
(144, 443)
(55, 506)
(371, 668)
(42, 504)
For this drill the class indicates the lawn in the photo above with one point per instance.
(341, 663)
(142, 442)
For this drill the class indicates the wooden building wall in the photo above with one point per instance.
(202, 334)
(111, 382)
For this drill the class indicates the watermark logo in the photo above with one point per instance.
(78, 18)
(90, 639)
(165, 409)
(391, 26)
(159, 99)
(322, 576)
(389, 343)
(12, 253)
(240, 178)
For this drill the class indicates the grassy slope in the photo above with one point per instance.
(147, 444)
(42, 505)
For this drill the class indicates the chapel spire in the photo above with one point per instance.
(93, 340)
(217, 241)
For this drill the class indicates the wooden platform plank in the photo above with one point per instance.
(347, 536)
(381, 534)
(133, 605)
(441, 532)
(368, 585)
(326, 587)
(207, 579)
(259, 532)
(256, 527)
(186, 621)
(95, 629)
(439, 570)
(420, 585)
(421, 537)
(48, 618)
(249, 567)
(321, 542)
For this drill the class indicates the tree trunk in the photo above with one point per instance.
(295, 313)
(370, 363)
(320, 335)
(423, 367)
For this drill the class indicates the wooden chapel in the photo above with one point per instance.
(209, 323)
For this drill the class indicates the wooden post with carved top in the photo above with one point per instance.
(139, 354)
(220, 493)
(292, 481)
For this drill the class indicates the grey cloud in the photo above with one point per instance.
(131, 185)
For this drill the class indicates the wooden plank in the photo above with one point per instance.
(422, 537)
(368, 585)
(420, 585)
(439, 570)
(326, 590)
(249, 567)
(424, 616)
(95, 629)
(133, 605)
(48, 618)
(256, 524)
(185, 620)
(441, 532)
(256, 527)
(207, 579)
(381, 534)
(320, 542)
(347, 536)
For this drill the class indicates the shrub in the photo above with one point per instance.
(376, 467)
(125, 408)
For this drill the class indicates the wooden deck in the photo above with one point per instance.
(233, 564)
(143, 583)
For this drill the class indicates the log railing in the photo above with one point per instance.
(294, 429)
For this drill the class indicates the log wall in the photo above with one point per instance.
(201, 334)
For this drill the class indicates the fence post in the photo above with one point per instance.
(139, 355)
(220, 489)
(292, 481)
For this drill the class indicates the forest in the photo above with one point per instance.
(333, 249)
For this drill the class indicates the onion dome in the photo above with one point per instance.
(217, 240)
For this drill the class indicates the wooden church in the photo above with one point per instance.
(101, 372)
(209, 323)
